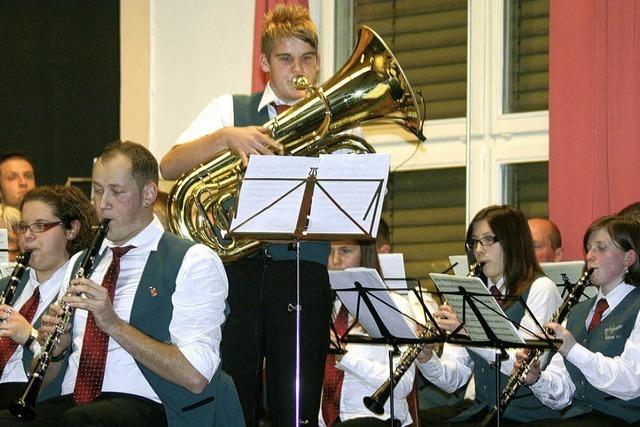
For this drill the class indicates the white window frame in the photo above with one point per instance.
(497, 139)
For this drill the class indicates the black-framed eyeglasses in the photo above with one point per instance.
(484, 241)
(35, 227)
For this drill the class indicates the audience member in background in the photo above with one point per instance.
(56, 223)
(383, 240)
(16, 178)
(631, 211)
(8, 217)
(595, 376)
(547, 240)
(363, 367)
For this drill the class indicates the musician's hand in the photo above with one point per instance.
(14, 325)
(534, 373)
(427, 349)
(88, 295)
(244, 141)
(48, 323)
(561, 333)
(446, 318)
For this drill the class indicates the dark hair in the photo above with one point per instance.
(68, 204)
(288, 21)
(382, 238)
(512, 231)
(369, 255)
(631, 211)
(144, 167)
(8, 155)
(625, 234)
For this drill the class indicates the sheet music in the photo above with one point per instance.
(573, 270)
(462, 266)
(4, 245)
(342, 281)
(355, 197)
(257, 195)
(487, 305)
(392, 266)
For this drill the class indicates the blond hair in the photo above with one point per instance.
(288, 21)
(8, 216)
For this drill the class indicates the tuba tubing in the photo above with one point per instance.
(370, 87)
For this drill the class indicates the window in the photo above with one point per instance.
(425, 212)
(429, 40)
(526, 56)
(526, 187)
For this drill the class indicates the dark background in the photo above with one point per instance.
(59, 83)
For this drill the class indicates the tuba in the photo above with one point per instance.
(370, 86)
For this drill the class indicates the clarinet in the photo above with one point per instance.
(375, 402)
(24, 407)
(22, 262)
(516, 380)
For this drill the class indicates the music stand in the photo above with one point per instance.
(485, 322)
(365, 295)
(294, 199)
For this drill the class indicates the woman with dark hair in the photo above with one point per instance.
(597, 368)
(498, 238)
(362, 368)
(56, 223)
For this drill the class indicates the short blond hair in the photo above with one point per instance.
(285, 21)
(8, 216)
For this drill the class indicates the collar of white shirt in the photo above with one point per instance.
(269, 97)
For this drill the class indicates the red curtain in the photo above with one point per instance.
(258, 78)
(594, 113)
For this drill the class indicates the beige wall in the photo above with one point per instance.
(134, 70)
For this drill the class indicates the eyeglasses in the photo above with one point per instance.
(36, 227)
(484, 241)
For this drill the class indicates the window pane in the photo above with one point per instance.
(526, 187)
(425, 211)
(526, 56)
(429, 39)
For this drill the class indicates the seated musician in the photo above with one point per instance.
(144, 343)
(357, 373)
(56, 223)
(596, 373)
(498, 237)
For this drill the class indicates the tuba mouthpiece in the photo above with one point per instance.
(300, 82)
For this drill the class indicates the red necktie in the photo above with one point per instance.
(601, 306)
(496, 293)
(95, 342)
(7, 345)
(280, 108)
(333, 376)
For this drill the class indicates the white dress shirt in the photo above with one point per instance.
(366, 367)
(219, 114)
(454, 367)
(14, 370)
(618, 376)
(195, 327)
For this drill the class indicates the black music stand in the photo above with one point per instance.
(368, 299)
(247, 224)
(489, 325)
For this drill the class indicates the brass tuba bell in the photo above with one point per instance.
(370, 86)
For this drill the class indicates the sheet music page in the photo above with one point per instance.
(573, 270)
(256, 195)
(342, 281)
(4, 245)
(354, 197)
(487, 305)
(392, 266)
